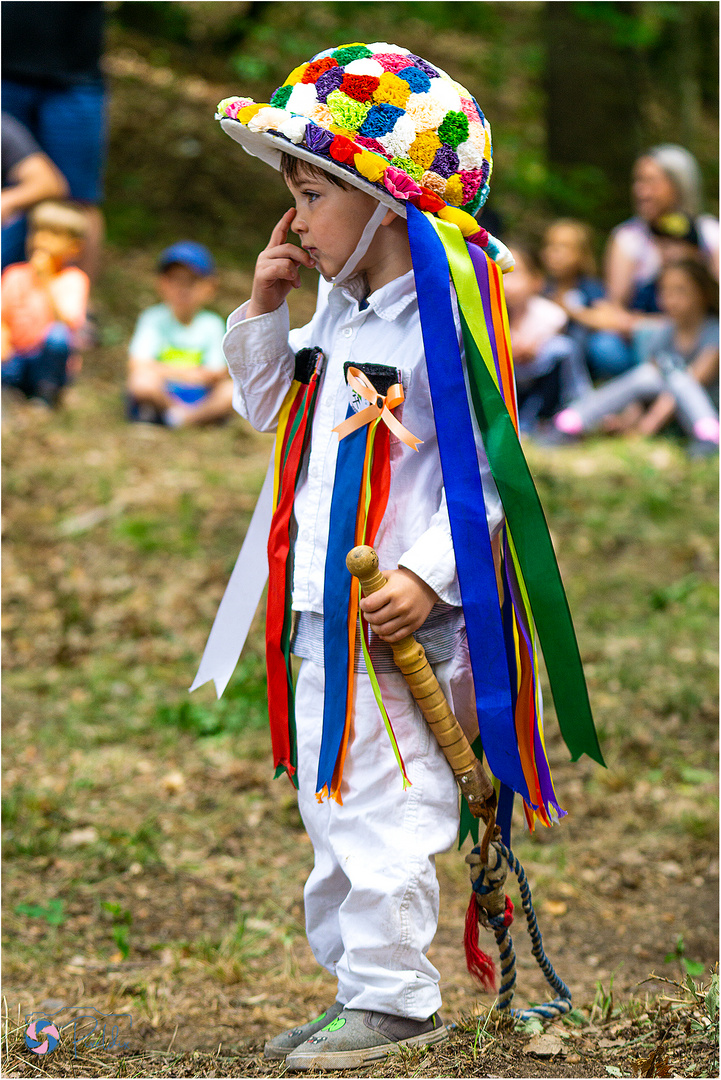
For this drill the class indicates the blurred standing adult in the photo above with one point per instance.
(52, 83)
(28, 177)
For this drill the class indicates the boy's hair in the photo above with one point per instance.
(585, 241)
(704, 281)
(58, 217)
(295, 170)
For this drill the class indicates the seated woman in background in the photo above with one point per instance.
(680, 377)
(666, 180)
(567, 257)
(550, 370)
(666, 192)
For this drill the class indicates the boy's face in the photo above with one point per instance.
(184, 291)
(329, 221)
(51, 249)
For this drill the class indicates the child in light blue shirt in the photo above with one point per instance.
(177, 373)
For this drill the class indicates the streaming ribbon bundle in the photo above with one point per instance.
(360, 496)
(501, 638)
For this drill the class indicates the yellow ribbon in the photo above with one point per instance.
(380, 407)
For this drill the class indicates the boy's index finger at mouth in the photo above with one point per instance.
(291, 251)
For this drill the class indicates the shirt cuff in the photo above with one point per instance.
(258, 341)
(433, 560)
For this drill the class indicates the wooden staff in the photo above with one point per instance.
(411, 659)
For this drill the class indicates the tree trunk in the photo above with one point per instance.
(593, 100)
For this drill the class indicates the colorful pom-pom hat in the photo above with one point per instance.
(386, 121)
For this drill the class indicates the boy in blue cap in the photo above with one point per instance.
(177, 374)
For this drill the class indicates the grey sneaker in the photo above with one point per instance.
(356, 1037)
(279, 1047)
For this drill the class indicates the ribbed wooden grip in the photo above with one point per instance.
(411, 659)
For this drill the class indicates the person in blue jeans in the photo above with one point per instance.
(52, 83)
(28, 178)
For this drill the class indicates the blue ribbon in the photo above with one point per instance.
(336, 596)
(466, 505)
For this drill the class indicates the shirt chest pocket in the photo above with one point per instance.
(376, 384)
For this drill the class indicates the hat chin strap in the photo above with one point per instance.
(362, 246)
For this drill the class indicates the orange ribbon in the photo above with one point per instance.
(380, 407)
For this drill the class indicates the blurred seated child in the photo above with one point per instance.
(676, 238)
(567, 257)
(550, 370)
(44, 303)
(177, 372)
(679, 378)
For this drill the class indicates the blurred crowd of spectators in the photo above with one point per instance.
(631, 349)
(636, 348)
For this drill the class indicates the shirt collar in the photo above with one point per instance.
(387, 302)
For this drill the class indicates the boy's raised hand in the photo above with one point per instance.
(277, 269)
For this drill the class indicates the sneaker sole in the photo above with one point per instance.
(352, 1059)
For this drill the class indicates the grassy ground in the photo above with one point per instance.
(154, 869)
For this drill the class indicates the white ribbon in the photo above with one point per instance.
(241, 598)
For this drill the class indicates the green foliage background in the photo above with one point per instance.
(171, 169)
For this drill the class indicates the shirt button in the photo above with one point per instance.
(347, 332)
(304, 535)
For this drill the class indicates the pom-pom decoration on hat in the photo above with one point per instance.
(382, 118)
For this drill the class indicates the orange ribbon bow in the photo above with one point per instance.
(380, 407)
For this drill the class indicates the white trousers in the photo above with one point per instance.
(371, 901)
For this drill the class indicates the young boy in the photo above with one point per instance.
(44, 304)
(375, 376)
(176, 373)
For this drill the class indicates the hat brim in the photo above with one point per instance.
(269, 147)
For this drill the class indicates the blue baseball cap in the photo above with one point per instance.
(188, 253)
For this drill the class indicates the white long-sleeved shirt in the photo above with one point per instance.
(415, 530)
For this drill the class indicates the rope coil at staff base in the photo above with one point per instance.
(490, 906)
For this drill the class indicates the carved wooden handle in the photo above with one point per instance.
(411, 659)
